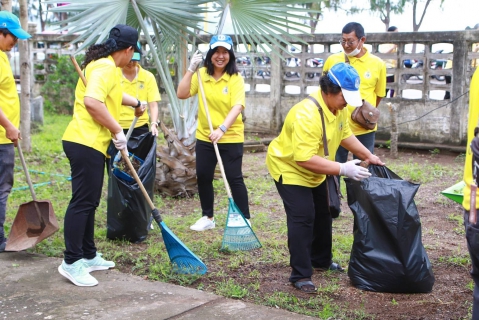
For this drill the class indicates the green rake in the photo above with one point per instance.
(238, 234)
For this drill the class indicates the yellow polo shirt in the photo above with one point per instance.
(221, 96)
(301, 138)
(103, 85)
(472, 123)
(144, 88)
(9, 101)
(372, 71)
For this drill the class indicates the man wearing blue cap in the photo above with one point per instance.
(10, 32)
(298, 163)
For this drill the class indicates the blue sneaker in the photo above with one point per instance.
(77, 273)
(98, 263)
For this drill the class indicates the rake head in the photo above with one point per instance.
(183, 260)
(238, 234)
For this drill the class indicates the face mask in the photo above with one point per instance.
(354, 52)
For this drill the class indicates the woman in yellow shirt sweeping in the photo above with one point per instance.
(85, 141)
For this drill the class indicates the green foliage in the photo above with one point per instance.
(59, 89)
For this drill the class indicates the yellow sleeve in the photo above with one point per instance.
(99, 83)
(307, 131)
(152, 88)
(238, 95)
(381, 86)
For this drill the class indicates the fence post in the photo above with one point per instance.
(458, 88)
(275, 92)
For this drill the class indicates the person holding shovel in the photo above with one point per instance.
(10, 32)
(225, 98)
(95, 121)
(141, 84)
(297, 161)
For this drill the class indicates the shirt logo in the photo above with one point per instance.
(142, 86)
(225, 90)
(341, 126)
(367, 75)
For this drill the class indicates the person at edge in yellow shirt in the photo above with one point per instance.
(10, 32)
(96, 114)
(225, 96)
(472, 230)
(371, 70)
(141, 84)
(296, 160)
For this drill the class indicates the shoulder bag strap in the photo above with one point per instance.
(325, 139)
(346, 59)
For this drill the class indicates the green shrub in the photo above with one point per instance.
(59, 89)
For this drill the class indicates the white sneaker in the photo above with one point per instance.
(77, 273)
(98, 263)
(203, 224)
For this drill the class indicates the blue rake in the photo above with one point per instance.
(183, 260)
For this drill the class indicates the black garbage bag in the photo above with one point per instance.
(387, 253)
(128, 212)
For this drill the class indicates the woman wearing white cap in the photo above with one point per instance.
(296, 161)
(225, 97)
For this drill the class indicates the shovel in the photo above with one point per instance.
(34, 222)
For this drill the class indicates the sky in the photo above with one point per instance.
(454, 15)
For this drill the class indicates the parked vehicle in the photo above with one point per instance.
(317, 63)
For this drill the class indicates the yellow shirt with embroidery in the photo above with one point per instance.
(103, 85)
(144, 88)
(372, 71)
(9, 101)
(301, 138)
(472, 124)
(221, 96)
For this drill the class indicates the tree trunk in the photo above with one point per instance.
(25, 70)
(6, 5)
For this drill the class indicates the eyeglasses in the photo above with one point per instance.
(15, 38)
(349, 42)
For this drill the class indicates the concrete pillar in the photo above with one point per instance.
(275, 92)
(458, 82)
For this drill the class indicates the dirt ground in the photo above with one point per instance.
(442, 236)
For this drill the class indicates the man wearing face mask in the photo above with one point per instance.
(371, 70)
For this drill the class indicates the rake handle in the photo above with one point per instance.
(218, 156)
(137, 179)
(77, 68)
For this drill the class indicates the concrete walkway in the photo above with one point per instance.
(32, 288)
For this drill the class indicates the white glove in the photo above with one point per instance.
(351, 170)
(195, 61)
(120, 140)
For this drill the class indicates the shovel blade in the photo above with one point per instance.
(29, 228)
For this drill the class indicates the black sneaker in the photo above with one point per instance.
(3, 245)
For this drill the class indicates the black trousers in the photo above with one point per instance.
(87, 172)
(232, 158)
(309, 228)
(472, 237)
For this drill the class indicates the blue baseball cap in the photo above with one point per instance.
(10, 22)
(221, 40)
(345, 76)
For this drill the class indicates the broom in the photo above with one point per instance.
(183, 260)
(238, 235)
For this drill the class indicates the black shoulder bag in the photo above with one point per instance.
(332, 184)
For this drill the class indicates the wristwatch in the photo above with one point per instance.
(153, 122)
(223, 128)
(138, 105)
